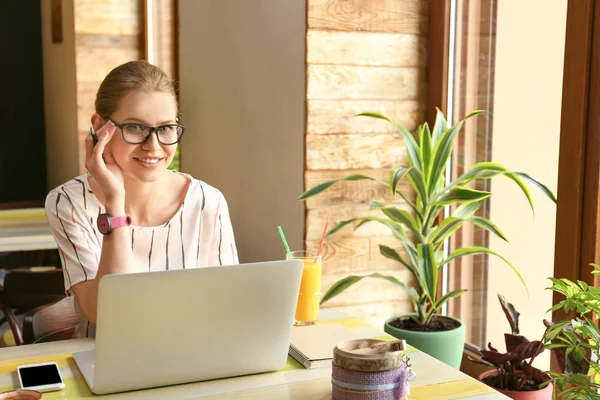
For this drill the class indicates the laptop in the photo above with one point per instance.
(171, 327)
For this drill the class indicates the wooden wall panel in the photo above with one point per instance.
(362, 55)
(354, 151)
(165, 37)
(361, 48)
(107, 34)
(364, 82)
(398, 16)
(339, 116)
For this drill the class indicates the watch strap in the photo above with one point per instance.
(121, 221)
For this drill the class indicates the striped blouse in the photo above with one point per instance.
(199, 235)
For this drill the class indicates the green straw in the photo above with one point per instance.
(287, 248)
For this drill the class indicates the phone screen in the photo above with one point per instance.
(39, 375)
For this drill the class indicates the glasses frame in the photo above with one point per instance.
(153, 129)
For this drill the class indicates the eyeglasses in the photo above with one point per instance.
(135, 133)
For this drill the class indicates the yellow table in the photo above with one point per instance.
(24, 230)
(434, 381)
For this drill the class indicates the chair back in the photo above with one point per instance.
(56, 321)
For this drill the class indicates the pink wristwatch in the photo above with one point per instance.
(106, 223)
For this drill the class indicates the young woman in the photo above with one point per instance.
(130, 213)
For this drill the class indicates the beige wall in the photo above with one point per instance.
(242, 88)
(529, 69)
(60, 94)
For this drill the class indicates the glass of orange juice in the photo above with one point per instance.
(307, 310)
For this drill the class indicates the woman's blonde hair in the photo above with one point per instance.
(127, 78)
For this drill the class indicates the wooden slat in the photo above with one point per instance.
(107, 34)
(94, 63)
(359, 82)
(377, 313)
(117, 17)
(489, 16)
(107, 41)
(437, 73)
(354, 151)
(339, 116)
(365, 48)
(349, 254)
(357, 192)
(165, 26)
(316, 218)
(405, 16)
(86, 97)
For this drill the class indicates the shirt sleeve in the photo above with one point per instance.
(222, 248)
(78, 246)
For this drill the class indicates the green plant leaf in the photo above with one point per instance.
(441, 153)
(390, 253)
(344, 283)
(411, 144)
(418, 183)
(397, 215)
(523, 187)
(405, 218)
(475, 250)
(432, 216)
(426, 156)
(461, 195)
(488, 226)
(339, 226)
(412, 206)
(396, 175)
(448, 226)
(448, 296)
(428, 270)
(544, 188)
(467, 210)
(397, 231)
(440, 125)
(485, 169)
(326, 185)
(474, 113)
(340, 286)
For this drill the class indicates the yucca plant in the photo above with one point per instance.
(422, 232)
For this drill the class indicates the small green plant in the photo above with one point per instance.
(423, 231)
(576, 341)
(174, 166)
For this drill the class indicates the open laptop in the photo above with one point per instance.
(170, 327)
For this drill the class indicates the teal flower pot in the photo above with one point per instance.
(446, 346)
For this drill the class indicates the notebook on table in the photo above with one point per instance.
(312, 346)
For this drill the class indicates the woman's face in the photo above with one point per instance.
(149, 160)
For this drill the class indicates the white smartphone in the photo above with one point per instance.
(43, 377)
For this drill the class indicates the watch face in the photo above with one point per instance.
(103, 224)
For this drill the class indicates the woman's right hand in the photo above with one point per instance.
(102, 166)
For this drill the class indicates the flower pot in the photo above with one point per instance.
(541, 394)
(446, 346)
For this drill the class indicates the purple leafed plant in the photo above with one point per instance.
(514, 368)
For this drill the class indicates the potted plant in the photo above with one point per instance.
(513, 375)
(576, 341)
(423, 231)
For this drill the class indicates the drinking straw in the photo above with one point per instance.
(322, 240)
(287, 248)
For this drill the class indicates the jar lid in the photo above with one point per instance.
(369, 355)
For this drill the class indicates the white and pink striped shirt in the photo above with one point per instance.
(199, 235)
